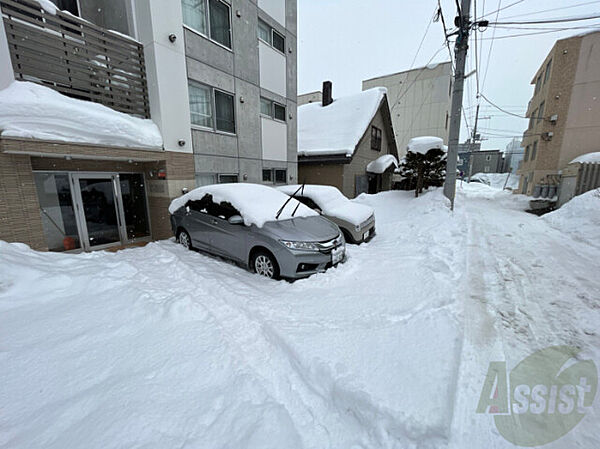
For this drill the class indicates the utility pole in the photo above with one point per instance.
(473, 142)
(460, 54)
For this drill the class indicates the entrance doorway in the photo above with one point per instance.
(91, 211)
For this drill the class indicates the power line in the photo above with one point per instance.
(542, 21)
(508, 36)
(500, 109)
(412, 64)
(550, 10)
(491, 46)
(499, 9)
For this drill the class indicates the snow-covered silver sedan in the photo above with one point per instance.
(357, 221)
(259, 227)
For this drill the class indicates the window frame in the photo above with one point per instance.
(541, 111)
(272, 104)
(222, 175)
(284, 170)
(526, 155)
(271, 175)
(534, 150)
(376, 141)
(208, 34)
(272, 31)
(213, 127)
(547, 71)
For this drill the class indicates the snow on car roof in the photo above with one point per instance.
(337, 128)
(256, 203)
(332, 202)
(425, 143)
(30, 110)
(382, 163)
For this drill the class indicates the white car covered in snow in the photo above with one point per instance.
(357, 221)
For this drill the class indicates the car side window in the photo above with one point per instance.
(206, 205)
(199, 205)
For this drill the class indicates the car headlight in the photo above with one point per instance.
(302, 246)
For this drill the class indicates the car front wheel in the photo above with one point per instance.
(264, 263)
(184, 239)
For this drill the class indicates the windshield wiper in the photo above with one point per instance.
(301, 194)
(287, 201)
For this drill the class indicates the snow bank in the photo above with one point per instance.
(425, 143)
(498, 180)
(33, 111)
(256, 203)
(579, 217)
(337, 128)
(588, 158)
(332, 202)
(382, 163)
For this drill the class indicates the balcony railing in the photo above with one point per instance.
(76, 57)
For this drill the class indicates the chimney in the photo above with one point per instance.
(327, 98)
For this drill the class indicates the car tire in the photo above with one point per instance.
(264, 264)
(347, 236)
(184, 239)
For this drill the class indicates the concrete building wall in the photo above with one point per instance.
(568, 94)
(250, 70)
(419, 100)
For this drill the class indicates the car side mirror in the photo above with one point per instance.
(235, 220)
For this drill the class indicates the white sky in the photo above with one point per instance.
(347, 41)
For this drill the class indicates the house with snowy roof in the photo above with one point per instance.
(347, 142)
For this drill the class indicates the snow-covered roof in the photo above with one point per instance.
(382, 163)
(256, 203)
(332, 202)
(35, 111)
(337, 128)
(588, 158)
(425, 143)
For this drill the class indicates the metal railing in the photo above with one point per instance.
(76, 57)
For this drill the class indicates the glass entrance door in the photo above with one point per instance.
(98, 210)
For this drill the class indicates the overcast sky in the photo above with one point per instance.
(347, 41)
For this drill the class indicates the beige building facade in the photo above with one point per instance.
(564, 111)
(420, 101)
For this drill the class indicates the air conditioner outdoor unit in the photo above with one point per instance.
(554, 118)
(547, 136)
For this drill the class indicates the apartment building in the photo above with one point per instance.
(420, 101)
(215, 78)
(564, 118)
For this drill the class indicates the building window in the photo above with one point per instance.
(526, 157)
(203, 100)
(375, 138)
(227, 178)
(538, 84)
(210, 18)
(541, 111)
(267, 175)
(280, 176)
(488, 157)
(200, 105)
(271, 37)
(205, 179)
(224, 112)
(271, 109)
(532, 119)
(547, 73)
(534, 151)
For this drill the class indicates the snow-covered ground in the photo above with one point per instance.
(158, 347)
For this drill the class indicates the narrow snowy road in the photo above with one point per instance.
(160, 347)
(527, 286)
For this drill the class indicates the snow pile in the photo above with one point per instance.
(588, 158)
(382, 163)
(332, 202)
(159, 347)
(498, 180)
(47, 6)
(425, 143)
(337, 128)
(33, 111)
(579, 217)
(256, 203)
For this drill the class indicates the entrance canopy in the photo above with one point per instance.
(382, 163)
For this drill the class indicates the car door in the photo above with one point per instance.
(226, 239)
(196, 221)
